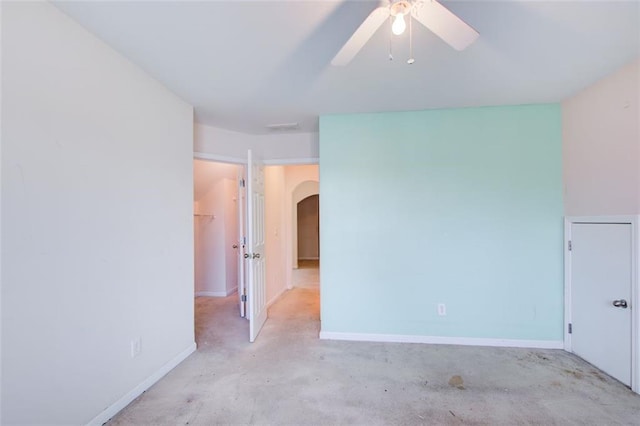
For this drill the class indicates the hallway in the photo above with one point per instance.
(289, 376)
(307, 275)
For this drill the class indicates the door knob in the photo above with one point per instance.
(234, 246)
(257, 256)
(246, 255)
(620, 303)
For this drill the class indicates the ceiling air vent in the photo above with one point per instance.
(283, 127)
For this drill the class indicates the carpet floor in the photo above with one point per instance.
(290, 377)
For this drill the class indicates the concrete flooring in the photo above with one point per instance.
(290, 377)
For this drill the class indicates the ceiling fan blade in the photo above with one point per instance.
(453, 30)
(359, 38)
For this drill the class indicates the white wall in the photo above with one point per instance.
(601, 146)
(225, 145)
(210, 259)
(274, 236)
(231, 236)
(97, 230)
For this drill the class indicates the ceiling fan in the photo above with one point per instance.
(453, 30)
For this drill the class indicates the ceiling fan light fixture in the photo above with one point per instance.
(429, 13)
(398, 25)
(398, 10)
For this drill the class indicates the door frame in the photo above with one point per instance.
(242, 175)
(634, 221)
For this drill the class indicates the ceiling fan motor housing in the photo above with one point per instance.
(400, 7)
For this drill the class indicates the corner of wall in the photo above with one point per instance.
(126, 399)
(601, 146)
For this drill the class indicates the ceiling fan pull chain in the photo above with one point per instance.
(390, 37)
(411, 60)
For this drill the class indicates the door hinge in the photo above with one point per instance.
(570, 328)
(242, 183)
(569, 246)
(243, 298)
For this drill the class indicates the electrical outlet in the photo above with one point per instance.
(442, 309)
(136, 347)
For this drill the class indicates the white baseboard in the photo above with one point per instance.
(211, 294)
(115, 408)
(438, 340)
(216, 293)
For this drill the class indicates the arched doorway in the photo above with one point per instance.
(303, 190)
(308, 212)
(305, 230)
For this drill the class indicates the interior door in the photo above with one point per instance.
(242, 246)
(601, 296)
(255, 246)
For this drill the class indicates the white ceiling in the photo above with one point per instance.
(244, 65)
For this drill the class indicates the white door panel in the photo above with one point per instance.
(255, 246)
(242, 249)
(601, 274)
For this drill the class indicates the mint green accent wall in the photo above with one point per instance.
(462, 207)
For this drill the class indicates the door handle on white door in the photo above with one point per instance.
(256, 255)
(620, 303)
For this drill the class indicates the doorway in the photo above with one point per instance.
(217, 208)
(284, 187)
(308, 231)
(600, 290)
(216, 232)
(305, 250)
